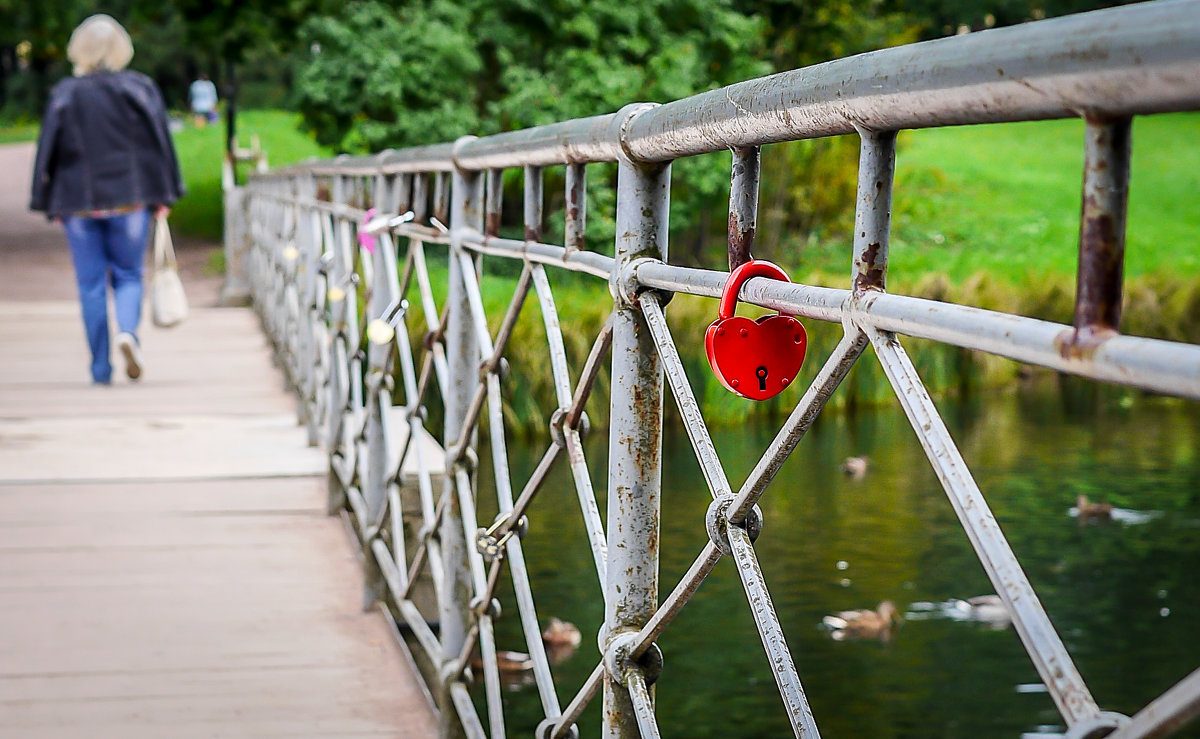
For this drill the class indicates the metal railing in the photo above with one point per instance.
(332, 280)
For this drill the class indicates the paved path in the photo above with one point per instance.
(166, 568)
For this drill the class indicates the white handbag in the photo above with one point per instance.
(168, 303)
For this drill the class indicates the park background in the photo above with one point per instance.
(983, 215)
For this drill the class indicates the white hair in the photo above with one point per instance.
(99, 43)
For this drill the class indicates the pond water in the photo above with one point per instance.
(1125, 597)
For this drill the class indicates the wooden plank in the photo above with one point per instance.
(213, 610)
(166, 567)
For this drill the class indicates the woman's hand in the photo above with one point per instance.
(161, 211)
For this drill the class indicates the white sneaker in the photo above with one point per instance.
(132, 354)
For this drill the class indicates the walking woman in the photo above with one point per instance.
(105, 160)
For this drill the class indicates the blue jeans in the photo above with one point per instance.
(108, 249)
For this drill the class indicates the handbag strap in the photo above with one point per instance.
(164, 250)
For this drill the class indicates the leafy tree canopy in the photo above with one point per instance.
(378, 75)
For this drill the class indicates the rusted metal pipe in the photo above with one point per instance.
(441, 197)
(1101, 235)
(420, 197)
(495, 202)
(576, 214)
(635, 435)
(873, 209)
(533, 204)
(743, 204)
(462, 353)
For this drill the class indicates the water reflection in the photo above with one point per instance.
(1125, 598)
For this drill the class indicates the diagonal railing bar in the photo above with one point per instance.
(412, 617)
(689, 409)
(463, 660)
(1041, 641)
(533, 637)
(416, 426)
(434, 322)
(466, 711)
(491, 355)
(643, 704)
(430, 362)
(587, 377)
(579, 703)
(826, 382)
(428, 550)
(516, 556)
(771, 633)
(475, 299)
(558, 350)
(1170, 711)
(520, 576)
(593, 523)
(410, 268)
(677, 599)
(487, 643)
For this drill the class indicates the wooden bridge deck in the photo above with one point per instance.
(166, 567)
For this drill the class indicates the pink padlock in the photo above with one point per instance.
(366, 239)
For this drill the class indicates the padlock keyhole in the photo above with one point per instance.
(761, 372)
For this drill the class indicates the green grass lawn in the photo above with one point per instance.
(14, 132)
(201, 151)
(1004, 199)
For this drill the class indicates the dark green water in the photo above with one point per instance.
(1125, 598)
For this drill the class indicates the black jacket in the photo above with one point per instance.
(104, 144)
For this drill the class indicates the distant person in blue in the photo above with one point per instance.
(104, 161)
(202, 96)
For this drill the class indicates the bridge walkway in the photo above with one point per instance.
(166, 565)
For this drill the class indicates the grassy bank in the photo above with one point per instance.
(201, 151)
(18, 131)
(1003, 200)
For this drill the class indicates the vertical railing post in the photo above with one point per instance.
(873, 211)
(533, 204)
(381, 295)
(462, 354)
(308, 242)
(339, 271)
(575, 224)
(1102, 232)
(383, 291)
(495, 202)
(743, 204)
(635, 436)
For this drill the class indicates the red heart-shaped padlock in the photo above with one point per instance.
(755, 359)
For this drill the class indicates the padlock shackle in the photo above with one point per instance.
(733, 285)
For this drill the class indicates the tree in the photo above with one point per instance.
(374, 77)
(227, 29)
(34, 35)
(380, 76)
